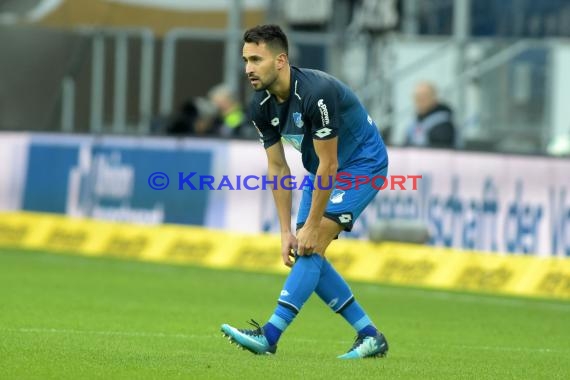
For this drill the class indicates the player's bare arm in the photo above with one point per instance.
(308, 236)
(278, 167)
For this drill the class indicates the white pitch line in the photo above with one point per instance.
(476, 298)
(514, 349)
(295, 339)
(110, 333)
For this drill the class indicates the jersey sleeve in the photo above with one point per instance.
(322, 109)
(268, 135)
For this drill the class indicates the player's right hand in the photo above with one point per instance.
(288, 248)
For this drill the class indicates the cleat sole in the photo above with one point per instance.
(243, 348)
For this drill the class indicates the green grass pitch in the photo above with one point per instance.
(70, 317)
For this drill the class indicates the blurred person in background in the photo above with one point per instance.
(196, 117)
(433, 125)
(207, 123)
(324, 120)
(233, 120)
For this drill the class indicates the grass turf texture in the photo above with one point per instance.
(74, 317)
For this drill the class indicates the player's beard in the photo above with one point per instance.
(266, 85)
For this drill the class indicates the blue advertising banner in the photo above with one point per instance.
(113, 182)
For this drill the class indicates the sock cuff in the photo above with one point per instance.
(344, 305)
(278, 322)
(362, 323)
(289, 306)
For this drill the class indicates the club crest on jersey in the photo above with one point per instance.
(298, 119)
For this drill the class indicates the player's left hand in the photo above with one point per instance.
(307, 240)
(288, 247)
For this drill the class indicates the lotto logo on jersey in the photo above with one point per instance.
(345, 218)
(324, 112)
(323, 132)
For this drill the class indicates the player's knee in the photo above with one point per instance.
(327, 233)
(323, 244)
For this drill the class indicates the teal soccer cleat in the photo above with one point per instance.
(367, 347)
(251, 340)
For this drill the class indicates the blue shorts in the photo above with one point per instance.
(348, 198)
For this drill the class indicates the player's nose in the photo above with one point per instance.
(248, 69)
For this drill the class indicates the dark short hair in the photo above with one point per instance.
(270, 34)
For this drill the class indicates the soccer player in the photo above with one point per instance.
(323, 119)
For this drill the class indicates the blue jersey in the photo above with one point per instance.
(319, 107)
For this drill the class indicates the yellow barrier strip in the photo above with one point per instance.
(391, 263)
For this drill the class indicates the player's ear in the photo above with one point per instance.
(281, 60)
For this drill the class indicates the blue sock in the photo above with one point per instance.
(278, 322)
(336, 293)
(299, 286)
(355, 315)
